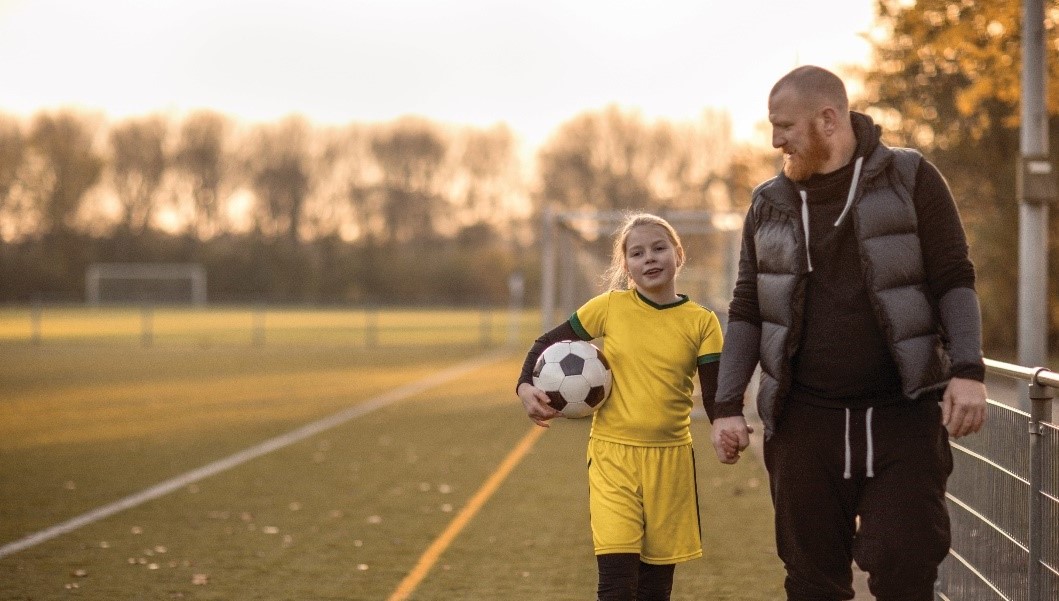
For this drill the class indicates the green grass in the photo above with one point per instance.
(343, 515)
(246, 325)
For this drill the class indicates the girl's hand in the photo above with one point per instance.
(536, 404)
(730, 436)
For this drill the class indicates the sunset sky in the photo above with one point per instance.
(530, 63)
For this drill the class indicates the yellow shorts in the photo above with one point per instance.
(644, 500)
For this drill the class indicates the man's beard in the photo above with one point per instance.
(802, 164)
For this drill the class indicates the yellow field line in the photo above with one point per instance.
(434, 551)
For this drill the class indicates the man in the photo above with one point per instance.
(856, 294)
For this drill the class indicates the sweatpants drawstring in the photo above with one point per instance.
(847, 474)
(869, 459)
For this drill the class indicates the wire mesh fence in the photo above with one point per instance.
(1003, 499)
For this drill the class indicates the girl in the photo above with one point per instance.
(641, 472)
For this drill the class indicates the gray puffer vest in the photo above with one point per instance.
(884, 221)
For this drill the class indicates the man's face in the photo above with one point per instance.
(795, 131)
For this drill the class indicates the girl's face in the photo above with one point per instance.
(652, 262)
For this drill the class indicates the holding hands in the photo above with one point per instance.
(730, 436)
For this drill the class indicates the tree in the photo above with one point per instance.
(137, 166)
(70, 166)
(614, 159)
(410, 154)
(202, 161)
(279, 176)
(491, 180)
(946, 79)
(12, 153)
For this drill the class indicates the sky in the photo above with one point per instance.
(531, 64)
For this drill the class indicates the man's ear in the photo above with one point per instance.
(828, 120)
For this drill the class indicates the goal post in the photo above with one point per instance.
(138, 283)
(576, 246)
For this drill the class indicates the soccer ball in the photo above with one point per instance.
(575, 375)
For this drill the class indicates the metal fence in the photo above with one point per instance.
(1003, 499)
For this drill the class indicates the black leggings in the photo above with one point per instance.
(623, 577)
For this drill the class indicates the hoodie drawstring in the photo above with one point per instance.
(849, 203)
(805, 225)
(852, 190)
(869, 458)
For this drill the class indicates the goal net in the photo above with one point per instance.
(151, 283)
(576, 248)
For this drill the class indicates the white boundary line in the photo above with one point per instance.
(283, 440)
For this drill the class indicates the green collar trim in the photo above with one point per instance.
(676, 303)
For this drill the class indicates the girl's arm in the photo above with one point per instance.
(708, 386)
(533, 399)
(563, 331)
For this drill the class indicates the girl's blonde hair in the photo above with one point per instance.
(617, 275)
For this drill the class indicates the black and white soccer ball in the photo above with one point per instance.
(575, 375)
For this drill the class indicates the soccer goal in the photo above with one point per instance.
(150, 283)
(576, 246)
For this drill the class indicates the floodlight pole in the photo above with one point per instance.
(548, 267)
(1037, 188)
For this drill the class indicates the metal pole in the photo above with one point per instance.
(548, 268)
(35, 318)
(1036, 190)
(147, 324)
(516, 288)
(1041, 398)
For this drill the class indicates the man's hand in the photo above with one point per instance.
(730, 436)
(963, 407)
(535, 401)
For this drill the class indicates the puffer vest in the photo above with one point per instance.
(884, 222)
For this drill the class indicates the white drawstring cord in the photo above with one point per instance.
(870, 461)
(848, 473)
(805, 225)
(852, 190)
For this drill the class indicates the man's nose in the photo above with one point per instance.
(778, 140)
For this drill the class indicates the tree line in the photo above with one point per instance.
(408, 211)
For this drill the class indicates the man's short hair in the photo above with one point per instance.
(817, 84)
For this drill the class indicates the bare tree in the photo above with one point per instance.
(12, 154)
(490, 162)
(604, 160)
(137, 168)
(410, 154)
(70, 166)
(614, 159)
(280, 176)
(202, 161)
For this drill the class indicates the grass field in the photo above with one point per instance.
(343, 514)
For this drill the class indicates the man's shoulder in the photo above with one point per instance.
(768, 185)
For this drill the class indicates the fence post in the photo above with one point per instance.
(1041, 408)
(516, 288)
(257, 336)
(35, 318)
(371, 326)
(486, 326)
(146, 325)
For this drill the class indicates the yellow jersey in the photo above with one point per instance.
(654, 352)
